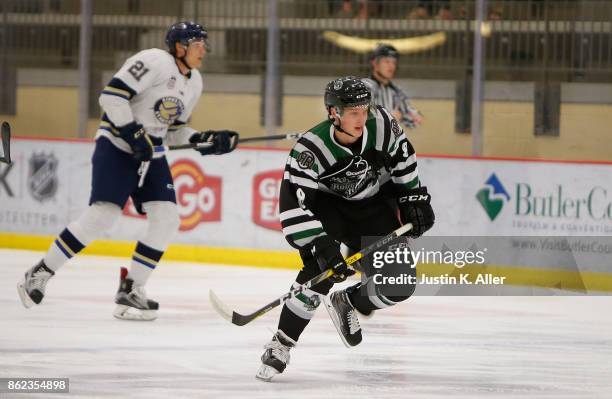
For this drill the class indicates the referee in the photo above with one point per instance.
(383, 63)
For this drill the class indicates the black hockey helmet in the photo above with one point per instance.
(384, 50)
(184, 33)
(347, 92)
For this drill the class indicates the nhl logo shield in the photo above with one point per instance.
(171, 83)
(42, 177)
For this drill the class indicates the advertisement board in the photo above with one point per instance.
(232, 200)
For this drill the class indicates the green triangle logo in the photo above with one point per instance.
(492, 196)
(492, 206)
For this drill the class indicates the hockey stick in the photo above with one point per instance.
(142, 172)
(166, 148)
(5, 132)
(288, 136)
(144, 166)
(242, 319)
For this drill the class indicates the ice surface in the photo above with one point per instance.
(427, 347)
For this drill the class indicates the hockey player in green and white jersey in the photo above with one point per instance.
(344, 179)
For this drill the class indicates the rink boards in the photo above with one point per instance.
(229, 204)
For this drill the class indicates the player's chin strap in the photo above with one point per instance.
(338, 127)
(184, 61)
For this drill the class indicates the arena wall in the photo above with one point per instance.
(229, 209)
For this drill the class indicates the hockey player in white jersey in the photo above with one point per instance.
(147, 102)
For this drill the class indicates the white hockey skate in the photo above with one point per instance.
(132, 302)
(344, 317)
(31, 288)
(275, 357)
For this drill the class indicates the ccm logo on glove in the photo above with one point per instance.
(411, 198)
(414, 208)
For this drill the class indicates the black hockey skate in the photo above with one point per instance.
(132, 302)
(344, 317)
(31, 288)
(276, 356)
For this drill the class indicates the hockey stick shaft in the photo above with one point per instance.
(142, 172)
(288, 136)
(187, 146)
(157, 149)
(144, 166)
(5, 133)
(242, 319)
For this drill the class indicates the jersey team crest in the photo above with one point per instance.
(168, 109)
(354, 177)
(305, 160)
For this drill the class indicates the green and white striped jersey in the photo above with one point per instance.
(318, 163)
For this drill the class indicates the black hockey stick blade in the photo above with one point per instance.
(243, 319)
(5, 134)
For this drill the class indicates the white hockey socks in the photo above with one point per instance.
(98, 218)
(163, 222)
